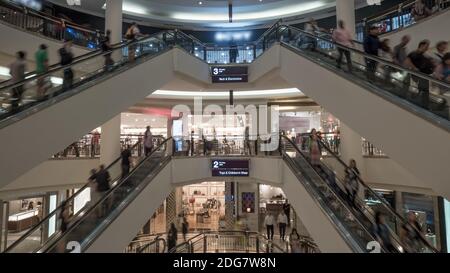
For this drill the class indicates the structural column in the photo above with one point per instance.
(110, 141)
(345, 10)
(113, 19)
(171, 210)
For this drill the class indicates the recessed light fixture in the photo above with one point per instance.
(200, 2)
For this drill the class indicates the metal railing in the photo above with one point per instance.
(154, 244)
(48, 26)
(228, 242)
(401, 15)
(53, 219)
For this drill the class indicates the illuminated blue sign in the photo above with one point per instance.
(236, 36)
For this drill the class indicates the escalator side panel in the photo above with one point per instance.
(391, 128)
(53, 128)
(320, 227)
(126, 225)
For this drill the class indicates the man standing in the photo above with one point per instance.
(269, 222)
(17, 71)
(371, 46)
(102, 178)
(126, 155)
(417, 61)
(148, 141)
(343, 37)
(282, 223)
(66, 56)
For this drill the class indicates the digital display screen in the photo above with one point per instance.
(229, 168)
(32, 4)
(229, 74)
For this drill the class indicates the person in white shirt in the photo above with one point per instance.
(269, 222)
(342, 36)
(282, 223)
(148, 141)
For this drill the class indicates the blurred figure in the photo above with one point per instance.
(41, 58)
(442, 72)
(102, 178)
(400, 51)
(95, 142)
(287, 211)
(184, 228)
(311, 27)
(282, 223)
(418, 61)
(234, 52)
(294, 241)
(343, 37)
(64, 216)
(411, 233)
(17, 70)
(247, 148)
(148, 141)
(441, 50)
(66, 58)
(387, 54)
(381, 232)
(371, 46)
(351, 182)
(420, 10)
(106, 46)
(315, 150)
(269, 223)
(172, 237)
(132, 34)
(126, 161)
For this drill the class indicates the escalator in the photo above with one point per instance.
(96, 94)
(104, 212)
(372, 102)
(353, 221)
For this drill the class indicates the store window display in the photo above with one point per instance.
(203, 205)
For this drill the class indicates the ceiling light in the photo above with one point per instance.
(200, 2)
(272, 92)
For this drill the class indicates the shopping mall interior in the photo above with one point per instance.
(225, 126)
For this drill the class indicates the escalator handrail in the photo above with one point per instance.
(54, 67)
(269, 30)
(373, 193)
(374, 58)
(58, 208)
(107, 194)
(45, 16)
(92, 55)
(338, 197)
(155, 241)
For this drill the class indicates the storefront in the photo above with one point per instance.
(203, 205)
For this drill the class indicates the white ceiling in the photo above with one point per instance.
(212, 13)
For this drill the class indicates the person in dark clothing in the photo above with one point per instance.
(126, 162)
(172, 237)
(184, 228)
(102, 178)
(234, 52)
(106, 46)
(287, 211)
(381, 232)
(418, 61)
(371, 46)
(66, 56)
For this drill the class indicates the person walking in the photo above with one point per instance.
(371, 46)
(282, 223)
(418, 61)
(343, 37)
(148, 141)
(287, 211)
(442, 72)
(387, 55)
(126, 161)
(411, 233)
(17, 70)
(441, 50)
(351, 182)
(41, 57)
(66, 58)
(172, 237)
(269, 223)
(400, 52)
